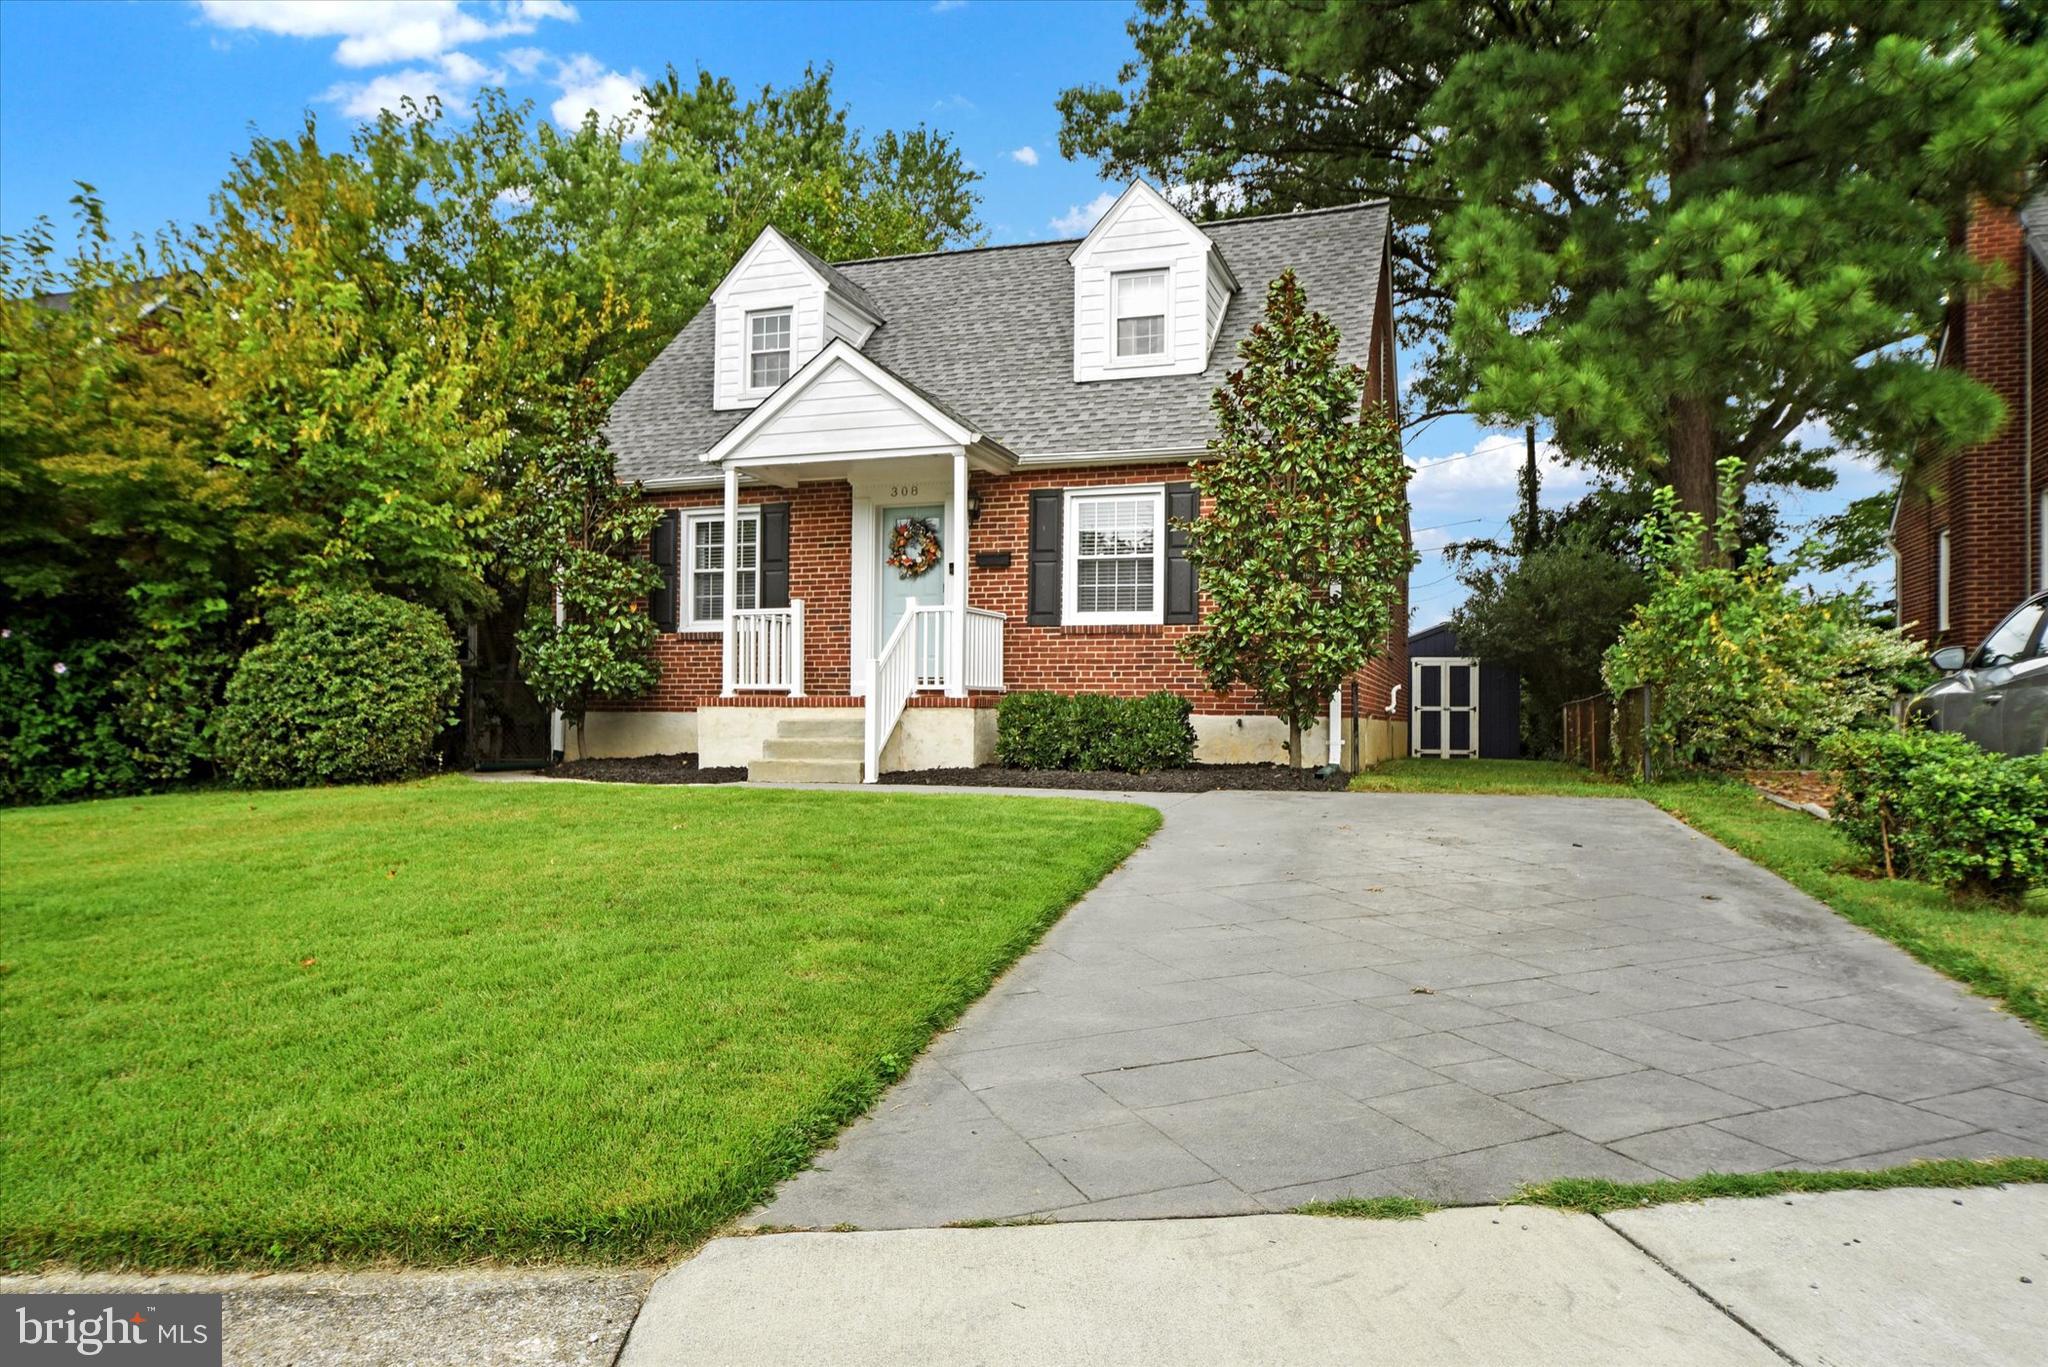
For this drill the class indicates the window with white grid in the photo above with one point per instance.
(767, 348)
(1114, 544)
(704, 565)
(1140, 314)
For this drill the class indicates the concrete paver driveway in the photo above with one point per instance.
(1293, 997)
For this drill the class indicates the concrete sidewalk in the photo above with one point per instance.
(1870, 1278)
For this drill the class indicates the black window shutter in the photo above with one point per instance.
(1043, 558)
(661, 549)
(1183, 603)
(775, 555)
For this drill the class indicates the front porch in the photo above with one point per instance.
(909, 632)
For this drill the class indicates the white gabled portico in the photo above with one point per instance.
(844, 417)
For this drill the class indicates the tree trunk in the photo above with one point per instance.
(1294, 742)
(1691, 428)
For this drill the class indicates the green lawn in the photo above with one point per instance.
(1999, 952)
(457, 1020)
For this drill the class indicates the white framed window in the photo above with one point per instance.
(1115, 570)
(1941, 582)
(768, 341)
(704, 567)
(1138, 310)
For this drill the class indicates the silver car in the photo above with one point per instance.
(1996, 695)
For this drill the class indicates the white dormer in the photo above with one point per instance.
(775, 310)
(1150, 289)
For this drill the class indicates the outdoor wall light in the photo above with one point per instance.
(973, 507)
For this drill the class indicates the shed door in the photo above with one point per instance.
(1443, 719)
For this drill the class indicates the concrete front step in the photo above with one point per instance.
(840, 724)
(813, 747)
(804, 771)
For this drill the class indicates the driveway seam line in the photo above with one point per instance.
(1697, 1290)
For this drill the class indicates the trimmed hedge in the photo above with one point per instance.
(1091, 731)
(355, 688)
(1944, 809)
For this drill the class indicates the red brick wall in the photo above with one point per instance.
(1981, 495)
(820, 549)
(1123, 660)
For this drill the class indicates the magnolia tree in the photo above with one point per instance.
(1302, 541)
(585, 534)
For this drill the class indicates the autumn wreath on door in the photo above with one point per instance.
(914, 546)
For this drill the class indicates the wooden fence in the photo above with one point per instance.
(1605, 734)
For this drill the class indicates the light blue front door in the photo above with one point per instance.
(929, 588)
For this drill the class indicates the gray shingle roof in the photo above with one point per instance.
(1009, 365)
(835, 278)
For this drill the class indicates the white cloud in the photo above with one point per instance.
(586, 84)
(365, 99)
(1025, 156)
(453, 80)
(1493, 463)
(526, 61)
(382, 32)
(1079, 218)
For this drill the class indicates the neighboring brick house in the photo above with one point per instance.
(1031, 411)
(1970, 531)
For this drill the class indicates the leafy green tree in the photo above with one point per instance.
(1302, 542)
(584, 536)
(791, 157)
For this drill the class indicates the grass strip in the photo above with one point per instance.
(1596, 1196)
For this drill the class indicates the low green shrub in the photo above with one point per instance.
(1747, 670)
(354, 688)
(1934, 806)
(1093, 731)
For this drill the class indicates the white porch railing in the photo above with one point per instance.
(767, 646)
(984, 650)
(914, 661)
(892, 678)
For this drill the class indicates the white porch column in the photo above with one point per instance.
(1337, 727)
(956, 638)
(730, 560)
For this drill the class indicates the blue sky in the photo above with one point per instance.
(149, 101)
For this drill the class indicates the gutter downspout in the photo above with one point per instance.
(2033, 577)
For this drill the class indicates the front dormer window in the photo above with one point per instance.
(1140, 301)
(767, 348)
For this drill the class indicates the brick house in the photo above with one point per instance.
(1013, 425)
(1970, 531)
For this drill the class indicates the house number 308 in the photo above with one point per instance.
(903, 491)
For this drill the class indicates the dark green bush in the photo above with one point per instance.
(60, 732)
(1943, 809)
(353, 689)
(1092, 731)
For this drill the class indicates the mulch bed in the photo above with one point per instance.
(1795, 785)
(1196, 778)
(646, 769)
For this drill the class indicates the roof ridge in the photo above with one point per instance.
(1205, 224)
